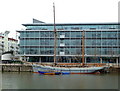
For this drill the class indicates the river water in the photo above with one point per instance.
(28, 80)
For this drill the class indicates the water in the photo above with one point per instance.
(27, 80)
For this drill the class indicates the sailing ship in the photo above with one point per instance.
(56, 69)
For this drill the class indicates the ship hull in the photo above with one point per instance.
(66, 70)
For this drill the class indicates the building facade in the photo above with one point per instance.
(8, 44)
(101, 42)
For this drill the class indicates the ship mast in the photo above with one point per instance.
(83, 51)
(55, 36)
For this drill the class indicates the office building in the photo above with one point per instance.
(101, 42)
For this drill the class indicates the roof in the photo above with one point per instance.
(69, 24)
(12, 39)
(37, 21)
(1, 37)
(9, 38)
(8, 52)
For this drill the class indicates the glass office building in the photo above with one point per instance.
(101, 42)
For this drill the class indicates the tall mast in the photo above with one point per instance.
(55, 36)
(83, 51)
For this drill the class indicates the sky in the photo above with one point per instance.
(14, 13)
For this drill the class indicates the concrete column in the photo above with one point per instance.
(24, 58)
(40, 59)
(117, 61)
(70, 60)
(100, 60)
(85, 60)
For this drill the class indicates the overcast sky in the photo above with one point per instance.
(13, 13)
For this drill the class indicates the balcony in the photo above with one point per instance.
(1, 47)
(12, 46)
(1, 43)
(17, 47)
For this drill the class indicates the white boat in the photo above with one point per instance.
(44, 69)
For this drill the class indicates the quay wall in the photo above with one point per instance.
(16, 68)
(28, 67)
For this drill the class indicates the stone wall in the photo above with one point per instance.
(16, 68)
